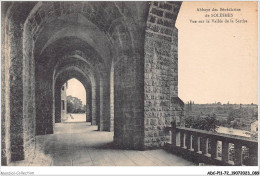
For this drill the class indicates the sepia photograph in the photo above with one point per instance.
(129, 83)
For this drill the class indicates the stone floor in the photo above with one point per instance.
(80, 144)
(70, 117)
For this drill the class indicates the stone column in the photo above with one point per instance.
(15, 33)
(112, 98)
(5, 94)
(57, 103)
(104, 124)
(162, 105)
(88, 104)
(225, 151)
(94, 105)
(44, 101)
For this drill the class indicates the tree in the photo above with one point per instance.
(70, 107)
(74, 105)
(208, 123)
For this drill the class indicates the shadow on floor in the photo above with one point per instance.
(79, 144)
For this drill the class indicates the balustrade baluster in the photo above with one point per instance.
(174, 133)
(253, 154)
(204, 145)
(187, 140)
(238, 154)
(225, 151)
(196, 143)
(182, 138)
(213, 145)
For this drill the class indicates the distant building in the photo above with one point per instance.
(64, 102)
(254, 126)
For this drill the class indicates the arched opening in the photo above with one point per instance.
(74, 96)
(74, 104)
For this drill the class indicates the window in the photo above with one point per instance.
(62, 105)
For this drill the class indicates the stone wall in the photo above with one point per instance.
(161, 74)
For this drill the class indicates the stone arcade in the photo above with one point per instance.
(124, 53)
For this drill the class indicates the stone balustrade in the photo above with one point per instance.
(202, 146)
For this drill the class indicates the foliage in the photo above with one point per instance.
(74, 105)
(208, 123)
(238, 118)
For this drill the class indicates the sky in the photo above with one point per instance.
(217, 62)
(76, 89)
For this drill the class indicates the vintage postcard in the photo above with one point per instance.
(129, 83)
